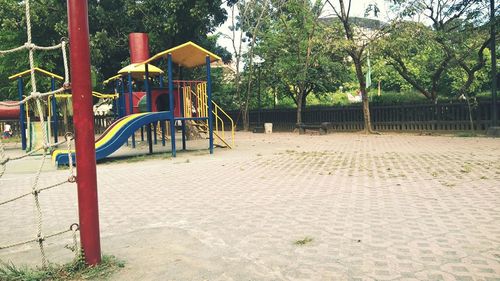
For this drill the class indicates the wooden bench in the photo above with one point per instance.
(323, 127)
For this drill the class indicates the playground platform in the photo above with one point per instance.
(388, 207)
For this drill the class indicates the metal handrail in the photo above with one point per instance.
(203, 111)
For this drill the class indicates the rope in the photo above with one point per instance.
(29, 46)
(65, 62)
(33, 95)
(69, 180)
(17, 49)
(42, 238)
(4, 159)
(75, 248)
(46, 146)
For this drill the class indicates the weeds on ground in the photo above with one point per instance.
(75, 270)
(15, 139)
(466, 169)
(304, 241)
(467, 134)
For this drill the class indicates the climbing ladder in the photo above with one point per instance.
(196, 105)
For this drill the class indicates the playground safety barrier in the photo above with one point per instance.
(196, 105)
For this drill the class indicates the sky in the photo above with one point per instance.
(357, 9)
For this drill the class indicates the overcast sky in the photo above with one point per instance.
(358, 9)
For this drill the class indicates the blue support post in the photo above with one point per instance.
(171, 97)
(118, 100)
(54, 110)
(123, 106)
(122, 94)
(163, 129)
(149, 103)
(20, 88)
(209, 101)
(183, 122)
(155, 127)
(131, 102)
(161, 81)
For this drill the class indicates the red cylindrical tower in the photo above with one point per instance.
(139, 47)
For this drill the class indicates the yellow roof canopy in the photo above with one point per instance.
(137, 70)
(187, 55)
(39, 70)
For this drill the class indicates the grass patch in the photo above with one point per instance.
(15, 139)
(467, 134)
(466, 169)
(75, 270)
(304, 241)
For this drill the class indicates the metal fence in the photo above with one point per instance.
(408, 117)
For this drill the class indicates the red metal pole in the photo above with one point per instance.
(83, 119)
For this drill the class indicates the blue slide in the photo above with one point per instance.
(116, 135)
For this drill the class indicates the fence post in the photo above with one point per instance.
(83, 119)
(22, 113)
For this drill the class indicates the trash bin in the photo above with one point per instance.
(268, 128)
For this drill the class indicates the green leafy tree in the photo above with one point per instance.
(247, 17)
(357, 38)
(411, 49)
(453, 37)
(293, 47)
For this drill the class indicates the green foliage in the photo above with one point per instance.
(445, 57)
(76, 270)
(168, 24)
(304, 241)
(223, 90)
(296, 59)
(48, 27)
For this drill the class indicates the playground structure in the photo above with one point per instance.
(30, 130)
(151, 104)
(193, 99)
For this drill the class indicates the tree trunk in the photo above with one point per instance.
(246, 118)
(299, 109)
(366, 112)
(364, 95)
(304, 101)
(470, 113)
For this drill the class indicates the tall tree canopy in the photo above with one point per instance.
(444, 51)
(294, 46)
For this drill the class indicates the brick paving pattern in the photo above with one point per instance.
(389, 207)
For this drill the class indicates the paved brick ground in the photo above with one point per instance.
(390, 207)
